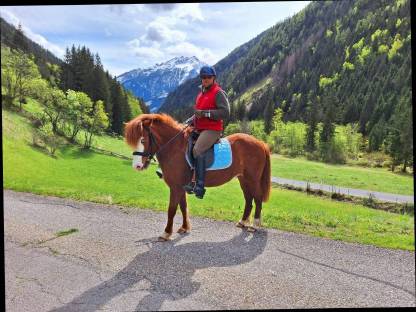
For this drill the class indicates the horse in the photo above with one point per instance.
(161, 135)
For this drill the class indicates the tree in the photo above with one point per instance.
(54, 103)
(312, 125)
(116, 100)
(17, 72)
(399, 141)
(268, 117)
(100, 86)
(79, 104)
(94, 122)
(327, 133)
(241, 110)
(19, 39)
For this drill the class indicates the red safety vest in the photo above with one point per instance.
(206, 101)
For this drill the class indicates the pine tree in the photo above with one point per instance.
(268, 117)
(327, 133)
(19, 40)
(312, 125)
(117, 103)
(67, 80)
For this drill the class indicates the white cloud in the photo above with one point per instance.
(189, 49)
(160, 32)
(129, 9)
(145, 51)
(163, 37)
(191, 10)
(39, 39)
(161, 6)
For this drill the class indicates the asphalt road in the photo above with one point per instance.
(114, 263)
(385, 197)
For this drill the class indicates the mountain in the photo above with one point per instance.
(153, 84)
(349, 57)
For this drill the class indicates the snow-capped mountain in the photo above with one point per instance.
(153, 84)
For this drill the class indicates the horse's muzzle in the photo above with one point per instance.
(143, 167)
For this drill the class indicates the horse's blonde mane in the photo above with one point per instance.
(134, 128)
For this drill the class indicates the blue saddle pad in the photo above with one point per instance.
(223, 156)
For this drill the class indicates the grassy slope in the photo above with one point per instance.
(86, 175)
(374, 179)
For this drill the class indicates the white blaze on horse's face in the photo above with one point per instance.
(138, 160)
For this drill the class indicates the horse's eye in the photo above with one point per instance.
(142, 141)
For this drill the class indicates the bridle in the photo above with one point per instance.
(152, 141)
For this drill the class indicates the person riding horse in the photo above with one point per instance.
(211, 109)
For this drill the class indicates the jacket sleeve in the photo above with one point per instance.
(223, 106)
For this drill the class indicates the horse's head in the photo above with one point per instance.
(143, 134)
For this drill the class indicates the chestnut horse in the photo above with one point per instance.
(161, 135)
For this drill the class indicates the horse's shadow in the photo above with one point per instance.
(169, 269)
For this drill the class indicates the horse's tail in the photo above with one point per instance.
(266, 175)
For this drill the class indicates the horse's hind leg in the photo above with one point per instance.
(186, 223)
(245, 220)
(257, 213)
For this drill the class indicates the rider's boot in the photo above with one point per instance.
(199, 189)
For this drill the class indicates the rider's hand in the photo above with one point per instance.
(199, 113)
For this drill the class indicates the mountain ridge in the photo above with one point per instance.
(154, 83)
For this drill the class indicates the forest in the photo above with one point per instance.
(333, 63)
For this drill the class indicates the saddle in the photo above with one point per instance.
(217, 157)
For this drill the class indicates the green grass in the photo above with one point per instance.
(373, 179)
(66, 232)
(86, 175)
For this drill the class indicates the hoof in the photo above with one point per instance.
(164, 237)
(243, 223)
(251, 229)
(257, 223)
(182, 230)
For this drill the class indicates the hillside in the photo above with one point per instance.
(15, 38)
(353, 57)
(81, 70)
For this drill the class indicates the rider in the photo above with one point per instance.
(211, 108)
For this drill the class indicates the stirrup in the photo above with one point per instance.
(159, 173)
(189, 188)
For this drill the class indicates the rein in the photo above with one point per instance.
(152, 141)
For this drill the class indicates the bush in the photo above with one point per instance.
(232, 128)
(387, 164)
(257, 130)
(370, 201)
(332, 152)
(44, 137)
(312, 155)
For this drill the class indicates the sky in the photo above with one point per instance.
(132, 36)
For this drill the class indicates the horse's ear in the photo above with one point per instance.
(147, 122)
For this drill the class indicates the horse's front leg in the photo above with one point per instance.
(186, 223)
(175, 197)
